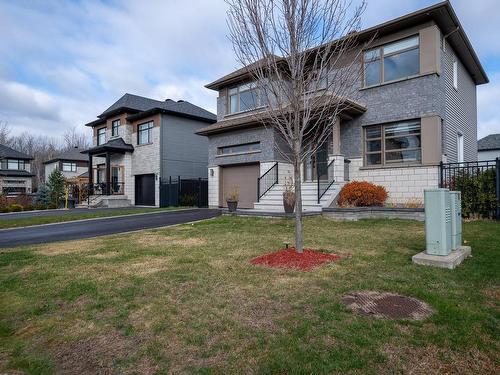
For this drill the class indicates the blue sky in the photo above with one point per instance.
(64, 62)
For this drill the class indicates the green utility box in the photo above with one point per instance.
(456, 219)
(437, 221)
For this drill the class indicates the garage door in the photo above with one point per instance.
(243, 177)
(145, 190)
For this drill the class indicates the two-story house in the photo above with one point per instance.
(138, 141)
(15, 172)
(72, 163)
(415, 106)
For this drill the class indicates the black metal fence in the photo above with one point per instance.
(178, 191)
(479, 183)
(267, 181)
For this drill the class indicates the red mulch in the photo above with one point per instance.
(289, 258)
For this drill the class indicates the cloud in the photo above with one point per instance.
(488, 99)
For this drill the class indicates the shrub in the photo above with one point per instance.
(15, 208)
(41, 207)
(361, 194)
(4, 204)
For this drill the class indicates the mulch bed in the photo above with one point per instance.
(290, 259)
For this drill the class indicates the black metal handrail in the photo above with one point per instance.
(267, 181)
(325, 179)
(103, 188)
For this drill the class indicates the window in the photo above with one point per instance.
(245, 97)
(392, 61)
(101, 136)
(460, 147)
(115, 128)
(391, 144)
(68, 167)
(144, 133)
(13, 164)
(237, 149)
(455, 75)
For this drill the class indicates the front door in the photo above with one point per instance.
(117, 180)
(316, 163)
(145, 190)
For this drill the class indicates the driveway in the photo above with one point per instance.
(73, 211)
(100, 227)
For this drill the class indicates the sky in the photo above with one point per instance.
(64, 62)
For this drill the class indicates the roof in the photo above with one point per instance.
(350, 109)
(137, 105)
(10, 153)
(442, 13)
(74, 154)
(113, 145)
(15, 173)
(490, 142)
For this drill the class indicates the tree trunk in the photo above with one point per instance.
(299, 245)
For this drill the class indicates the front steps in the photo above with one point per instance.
(273, 199)
(106, 201)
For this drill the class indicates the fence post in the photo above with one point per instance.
(199, 192)
(441, 174)
(497, 173)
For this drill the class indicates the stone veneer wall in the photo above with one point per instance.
(404, 184)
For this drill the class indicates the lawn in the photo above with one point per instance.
(6, 222)
(185, 299)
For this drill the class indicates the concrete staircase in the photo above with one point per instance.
(108, 201)
(273, 199)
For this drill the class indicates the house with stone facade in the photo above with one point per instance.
(15, 172)
(73, 165)
(415, 107)
(139, 141)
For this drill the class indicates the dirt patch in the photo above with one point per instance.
(97, 355)
(109, 254)
(383, 305)
(290, 259)
(146, 267)
(148, 239)
(70, 247)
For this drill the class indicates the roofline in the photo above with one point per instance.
(489, 149)
(154, 111)
(64, 159)
(363, 34)
(27, 174)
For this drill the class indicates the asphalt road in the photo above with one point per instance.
(73, 211)
(99, 227)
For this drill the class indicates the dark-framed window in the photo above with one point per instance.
(145, 133)
(238, 149)
(69, 167)
(393, 61)
(101, 136)
(245, 97)
(393, 144)
(14, 164)
(115, 127)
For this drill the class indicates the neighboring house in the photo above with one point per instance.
(15, 172)
(488, 148)
(72, 163)
(415, 107)
(139, 141)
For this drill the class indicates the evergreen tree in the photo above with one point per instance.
(55, 187)
(43, 196)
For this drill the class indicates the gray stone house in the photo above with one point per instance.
(137, 142)
(72, 163)
(415, 107)
(15, 172)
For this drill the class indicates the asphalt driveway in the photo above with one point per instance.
(100, 227)
(73, 211)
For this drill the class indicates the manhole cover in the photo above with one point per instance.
(387, 305)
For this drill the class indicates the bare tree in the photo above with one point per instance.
(304, 58)
(4, 133)
(74, 138)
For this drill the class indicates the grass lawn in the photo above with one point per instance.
(6, 222)
(186, 300)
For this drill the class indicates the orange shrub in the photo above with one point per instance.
(362, 194)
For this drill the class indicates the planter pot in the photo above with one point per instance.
(232, 205)
(289, 208)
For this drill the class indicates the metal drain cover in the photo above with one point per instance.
(384, 305)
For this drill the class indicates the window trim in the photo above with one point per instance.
(71, 166)
(237, 87)
(455, 75)
(21, 164)
(381, 58)
(383, 151)
(460, 147)
(149, 130)
(239, 152)
(115, 129)
(98, 134)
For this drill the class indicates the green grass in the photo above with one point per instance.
(186, 300)
(5, 222)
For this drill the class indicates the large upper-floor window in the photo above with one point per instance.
(115, 128)
(245, 97)
(15, 164)
(145, 133)
(101, 136)
(68, 167)
(392, 144)
(392, 61)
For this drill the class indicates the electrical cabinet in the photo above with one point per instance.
(456, 219)
(437, 221)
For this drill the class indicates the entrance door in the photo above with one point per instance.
(244, 179)
(316, 163)
(116, 180)
(145, 190)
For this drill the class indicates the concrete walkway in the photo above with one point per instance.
(99, 227)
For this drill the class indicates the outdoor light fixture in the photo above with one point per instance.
(211, 172)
